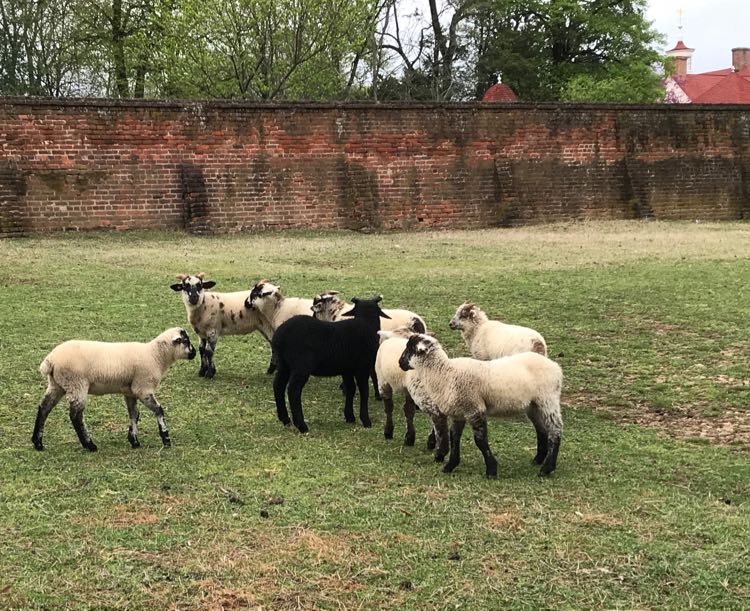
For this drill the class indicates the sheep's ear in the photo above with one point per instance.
(176, 287)
(209, 284)
(383, 314)
(350, 312)
(355, 299)
(377, 298)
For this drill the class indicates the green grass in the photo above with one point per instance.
(648, 320)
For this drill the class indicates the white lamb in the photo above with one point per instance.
(79, 368)
(215, 314)
(392, 379)
(328, 306)
(491, 339)
(465, 389)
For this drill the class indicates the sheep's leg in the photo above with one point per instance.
(297, 382)
(273, 363)
(455, 437)
(210, 349)
(431, 441)
(387, 395)
(49, 400)
(280, 381)
(410, 409)
(541, 433)
(76, 418)
(132, 405)
(479, 426)
(554, 435)
(375, 387)
(204, 360)
(349, 389)
(363, 384)
(440, 427)
(150, 402)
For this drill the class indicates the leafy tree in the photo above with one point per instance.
(558, 49)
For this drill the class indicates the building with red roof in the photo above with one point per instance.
(727, 86)
(499, 92)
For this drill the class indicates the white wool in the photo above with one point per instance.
(332, 308)
(491, 339)
(133, 369)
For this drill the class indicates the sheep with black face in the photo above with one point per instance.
(469, 390)
(305, 346)
(215, 314)
(78, 368)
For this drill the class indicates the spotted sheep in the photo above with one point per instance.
(305, 346)
(392, 379)
(78, 368)
(274, 309)
(468, 390)
(215, 314)
(490, 339)
(328, 306)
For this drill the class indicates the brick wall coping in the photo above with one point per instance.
(305, 106)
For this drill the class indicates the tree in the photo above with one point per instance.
(555, 49)
(266, 49)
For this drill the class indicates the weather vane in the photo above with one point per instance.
(680, 13)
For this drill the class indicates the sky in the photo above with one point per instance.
(711, 27)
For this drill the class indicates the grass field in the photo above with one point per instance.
(649, 507)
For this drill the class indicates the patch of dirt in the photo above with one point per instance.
(127, 516)
(732, 426)
(504, 521)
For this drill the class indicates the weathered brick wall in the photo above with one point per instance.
(91, 164)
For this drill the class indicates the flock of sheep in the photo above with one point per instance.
(509, 371)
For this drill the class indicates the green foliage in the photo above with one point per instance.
(645, 319)
(555, 49)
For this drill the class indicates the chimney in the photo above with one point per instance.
(740, 58)
(682, 54)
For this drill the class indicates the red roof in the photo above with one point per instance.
(681, 46)
(499, 93)
(718, 87)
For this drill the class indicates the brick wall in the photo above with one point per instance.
(221, 167)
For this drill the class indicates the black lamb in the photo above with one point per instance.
(306, 346)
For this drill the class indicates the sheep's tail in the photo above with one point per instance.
(539, 347)
(46, 367)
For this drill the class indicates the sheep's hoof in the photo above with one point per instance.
(439, 457)
(134, 443)
(545, 473)
(388, 434)
(202, 372)
(90, 446)
(537, 460)
(350, 419)
(491, 475)
(210, 373)
(303, 428)
(449, 467)
(367, 423)
(409, 439)
(377, 396)
(38, 445)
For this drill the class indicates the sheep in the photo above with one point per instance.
(266, 300)
(465, 389)
(215, 314)
(79, 368)
(491, 339)
(391, 378)
(328, 306)
(306, 346)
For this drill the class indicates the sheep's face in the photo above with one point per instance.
(325, 305)
(417, 349)
(261, 292)
(464, 317)
(367, 310)
(193, 288)
(182, 346)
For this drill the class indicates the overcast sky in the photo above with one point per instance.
(713, 28)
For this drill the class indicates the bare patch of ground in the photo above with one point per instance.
(732, 426)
